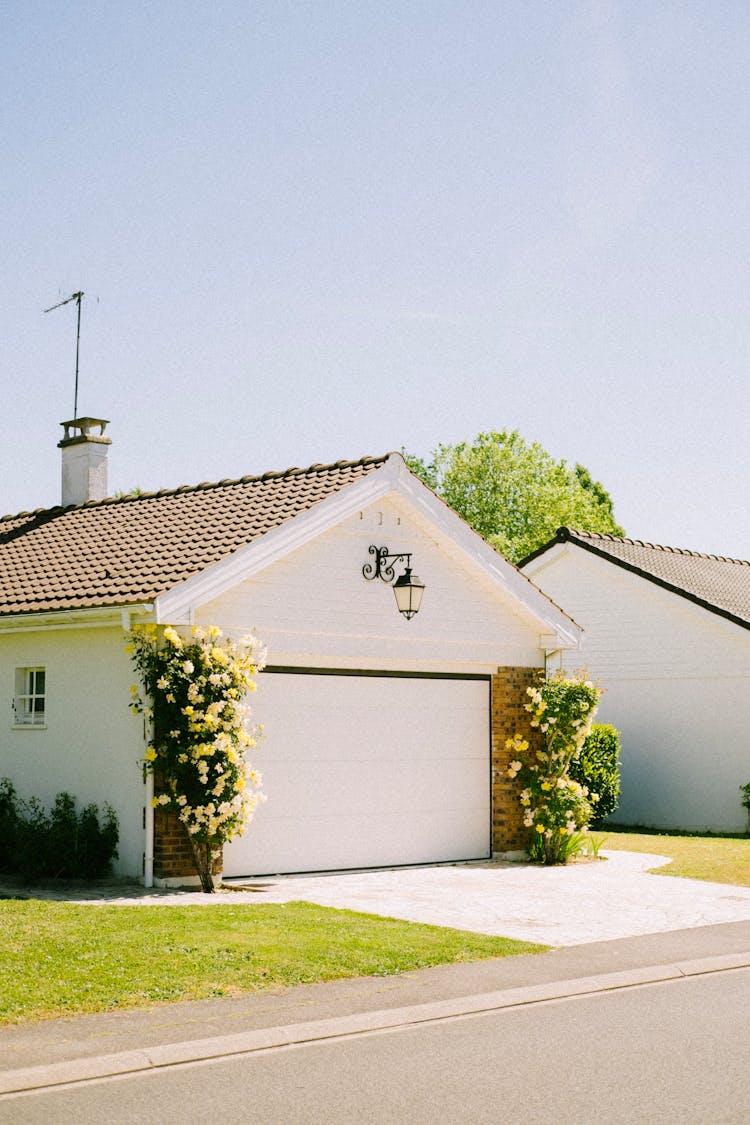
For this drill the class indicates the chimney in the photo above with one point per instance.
(84, 460)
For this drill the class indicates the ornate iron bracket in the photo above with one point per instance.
(381, 567)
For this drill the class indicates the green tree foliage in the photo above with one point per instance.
(513, 492)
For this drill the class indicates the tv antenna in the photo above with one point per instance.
(77, 297)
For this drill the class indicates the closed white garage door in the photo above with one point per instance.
(367, 771)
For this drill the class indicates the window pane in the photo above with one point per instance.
(29, 702)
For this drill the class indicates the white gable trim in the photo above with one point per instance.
(177, 605)
(502, 573)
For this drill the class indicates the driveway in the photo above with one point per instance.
(570, 905)
(574, 905)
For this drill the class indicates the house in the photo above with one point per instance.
(384, 734)
(667, 632)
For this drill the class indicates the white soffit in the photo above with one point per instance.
(551, 555)
(177, 605)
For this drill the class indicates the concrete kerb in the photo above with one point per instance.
(668, 928)
(82, 1070)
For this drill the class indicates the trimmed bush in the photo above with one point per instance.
(61, 844)
(598, 768)
(8, 823)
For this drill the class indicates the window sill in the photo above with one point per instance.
(29, 726)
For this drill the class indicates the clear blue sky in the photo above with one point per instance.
(318, 230)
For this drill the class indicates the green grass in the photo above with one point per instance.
(718, 859)
(60, 959)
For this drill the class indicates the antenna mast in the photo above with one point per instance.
(77, 297)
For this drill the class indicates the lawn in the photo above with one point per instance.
(718, 859)
(59, 959)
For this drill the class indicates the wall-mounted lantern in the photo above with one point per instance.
(407, 588)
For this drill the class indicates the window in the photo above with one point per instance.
(29, 704)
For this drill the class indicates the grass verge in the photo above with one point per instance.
(61, 959)
(717, 859)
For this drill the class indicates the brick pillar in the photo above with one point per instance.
(173, 856)
(509, 717)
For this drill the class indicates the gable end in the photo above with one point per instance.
(566, 535)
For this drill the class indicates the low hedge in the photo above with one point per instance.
(61, 843)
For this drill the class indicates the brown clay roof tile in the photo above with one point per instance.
(130, 549)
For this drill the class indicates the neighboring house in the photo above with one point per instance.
(384, 737)
(667, 632)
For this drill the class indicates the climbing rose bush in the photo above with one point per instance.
(192, 693)
(556, 807)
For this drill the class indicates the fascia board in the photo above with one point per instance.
(102, 617)
(176, 606)
(498, 569)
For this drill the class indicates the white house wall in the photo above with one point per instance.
(314, 607)
(92, 744)
(677, 686)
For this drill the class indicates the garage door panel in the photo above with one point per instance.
(320, 715)
(399, 788)
(367, 772)
(382, 840)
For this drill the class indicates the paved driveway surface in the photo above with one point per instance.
(573, 905)
(556, 905)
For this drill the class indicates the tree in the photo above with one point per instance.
(513, 492)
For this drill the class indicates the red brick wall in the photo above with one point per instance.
(173, 856)
(509, 717)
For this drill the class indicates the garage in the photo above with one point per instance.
(367, 770)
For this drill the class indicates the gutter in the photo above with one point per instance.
(102, 617)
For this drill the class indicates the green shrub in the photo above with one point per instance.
(61, 843)
(598, 768)
(8, 822)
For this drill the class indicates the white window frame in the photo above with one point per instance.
(30, 702)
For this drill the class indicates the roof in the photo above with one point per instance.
(130, 549)
(718, 584)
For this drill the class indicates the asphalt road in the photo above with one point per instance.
(672, 1052)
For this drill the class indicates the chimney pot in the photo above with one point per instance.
(84, 460)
